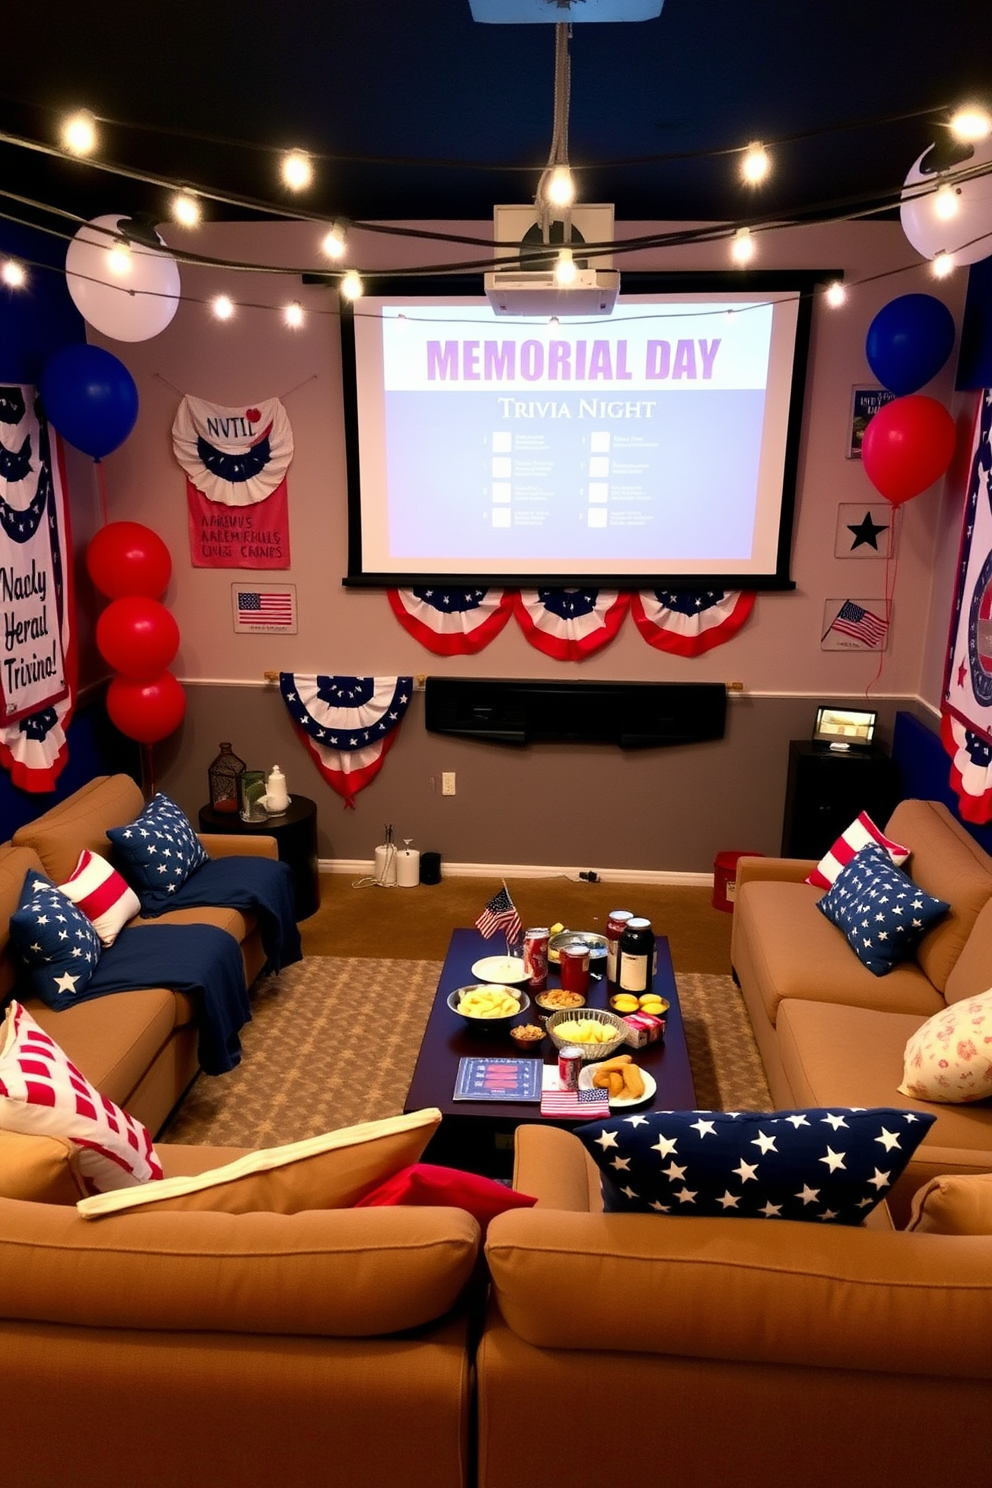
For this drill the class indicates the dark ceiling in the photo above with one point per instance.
(420, 112)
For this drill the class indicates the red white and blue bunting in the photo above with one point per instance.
(690, 623)
(452, 622)
(347, 724)
(971, 769)
(38, 669)
(570, 624)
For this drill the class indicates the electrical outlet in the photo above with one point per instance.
(447, 782)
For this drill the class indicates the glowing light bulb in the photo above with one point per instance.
(334, 243)
(222, 307)
(971, 123)
(945, 202)
(79, 133)
(293, 315)
(755, 165)
(351, 286)
(119, 260)
(565, 270)
(297, 172)
(561, 187)
(942, 264)
(186, 209)
(835, 294)
(742, 246)
(12, 273)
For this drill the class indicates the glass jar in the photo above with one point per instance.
(224, 775)
(636, 970)
(616, 920)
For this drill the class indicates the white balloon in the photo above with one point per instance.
(968, 233)
(128, 294)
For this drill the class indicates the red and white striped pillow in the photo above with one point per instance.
(858, 835)
(102, 895)
(43, 1094)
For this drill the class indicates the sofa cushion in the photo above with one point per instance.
(116, 1039)
(883, 913)
(952, 1205)
(827, 1165)
(331, 1171)
(102, 895)
(59, 835)
(40, 1169)
(56, 941)
(950, 1057)
(858, 835)
(43, 1093)
(449, 1188)
(157, 851)
(948, 863)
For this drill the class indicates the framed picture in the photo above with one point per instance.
(855, 625)
(865, 403)
(864, 530)
(852, 726)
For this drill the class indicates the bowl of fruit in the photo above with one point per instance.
(594, 1031)
(647, 1002)
(487, 1007)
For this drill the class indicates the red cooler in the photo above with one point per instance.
(725, 878)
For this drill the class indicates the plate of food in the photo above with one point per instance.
(589, 939)
(594, 1076)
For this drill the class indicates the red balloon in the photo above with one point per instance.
(128, 558)
(907, 446)
(146, 711)
(138, 636)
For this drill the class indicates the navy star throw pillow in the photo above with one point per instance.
(55, 940)
(883, 913)
(826, 1165)
(157, 852)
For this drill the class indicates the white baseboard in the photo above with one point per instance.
(364, 868)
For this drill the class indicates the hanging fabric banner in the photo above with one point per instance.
(692, 622)
(971, 769)
(570, 624)
(235, 461)
(452, 622)
(37, 637)
(347, 724)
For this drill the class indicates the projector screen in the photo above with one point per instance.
(654, 447)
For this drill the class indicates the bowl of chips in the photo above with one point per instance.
(597, 1033)
(488, 1007)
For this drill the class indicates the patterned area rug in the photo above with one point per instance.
(333, 1042)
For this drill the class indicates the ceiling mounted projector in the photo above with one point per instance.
(528, 286)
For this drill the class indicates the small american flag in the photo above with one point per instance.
(854, 620)
(500, 914)
(269, 607)
(588, 1105)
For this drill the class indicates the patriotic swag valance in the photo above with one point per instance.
(569, 624)
(37, 652)
(235, 461)
(347, 724)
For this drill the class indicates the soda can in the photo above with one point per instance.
(536, 958)
(569, 1065)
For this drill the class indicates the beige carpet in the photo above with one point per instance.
(334, 1041)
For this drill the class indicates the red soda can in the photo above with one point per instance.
(536, 958)
(569, 1065)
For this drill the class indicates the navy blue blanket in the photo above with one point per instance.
(262, 886)
(201, 960)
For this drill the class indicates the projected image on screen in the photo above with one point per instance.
(651, 444)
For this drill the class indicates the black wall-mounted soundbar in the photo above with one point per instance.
(633, 715)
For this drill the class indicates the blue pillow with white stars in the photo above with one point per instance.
(827, 1165)
(883, 913)
(157, 852)
(55, 940)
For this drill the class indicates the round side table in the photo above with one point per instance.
(295, 832)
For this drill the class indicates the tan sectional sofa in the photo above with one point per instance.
(829, 1031)
(138, 1049)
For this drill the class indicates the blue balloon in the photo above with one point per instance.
(90, 397)
(909, 341)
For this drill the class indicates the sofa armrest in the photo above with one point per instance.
(349, 1273)
(782, 870)
(747, 1290)
(229, 845)
(553, 1166)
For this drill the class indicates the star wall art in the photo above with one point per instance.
(863, 530)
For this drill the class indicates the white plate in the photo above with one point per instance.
(505, 970)
(620, 1101)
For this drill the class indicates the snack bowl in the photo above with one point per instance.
(480, 1022)
(596, 944)
(501, 971)
(589, 1050)
(556, 999)
(528, 1037)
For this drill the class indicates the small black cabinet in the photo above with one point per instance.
(826, 789)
